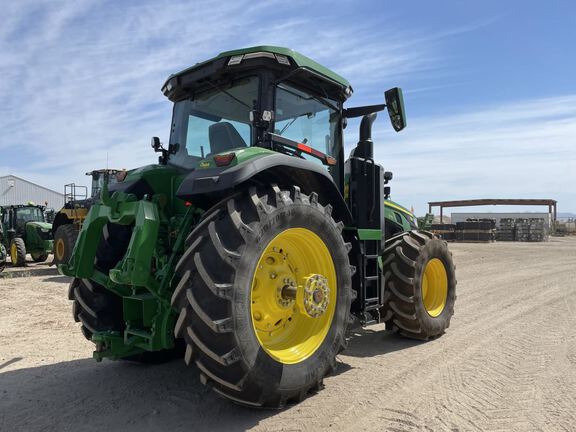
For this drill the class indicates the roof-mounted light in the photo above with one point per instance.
(234, 60)
(282, 59)
(259, 54)
(168, 86)
(237, 59)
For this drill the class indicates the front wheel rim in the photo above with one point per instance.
(434, 287)
(59, 249)
(293, 295)
(14, 253)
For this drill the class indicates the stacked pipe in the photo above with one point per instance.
(444, 231)
(506, 230)
(522, 230)
(476, 230)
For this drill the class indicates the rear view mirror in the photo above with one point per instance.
(155, 143)
(395, 105)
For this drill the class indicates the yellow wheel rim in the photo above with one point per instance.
(59, 249)
(13, 253)
(293, 295)
(434, 287)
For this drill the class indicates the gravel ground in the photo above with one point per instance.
(508, 362)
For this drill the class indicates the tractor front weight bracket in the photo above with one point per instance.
(111, 345)
(134, 269)
(148, 316)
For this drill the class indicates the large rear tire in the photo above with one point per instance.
(253, 343)
(18, 252)
(64, 241)
(421, 285)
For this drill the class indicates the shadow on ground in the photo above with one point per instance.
(58, 279)
(85, 395)
(369, 342)
(28, 270)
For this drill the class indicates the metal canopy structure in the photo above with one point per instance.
(488, 201)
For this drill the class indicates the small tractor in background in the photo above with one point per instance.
(425, 222)
(25, 230)
(255, 243)
(68, 220)
(398, 219)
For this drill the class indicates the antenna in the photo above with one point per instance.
(106, 161)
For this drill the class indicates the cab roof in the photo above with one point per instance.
(279, 55)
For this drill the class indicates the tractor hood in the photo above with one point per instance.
(43, 226)
(37, 232)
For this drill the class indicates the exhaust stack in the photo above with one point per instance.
(365, 147)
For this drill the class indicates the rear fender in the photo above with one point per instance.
(205, 187)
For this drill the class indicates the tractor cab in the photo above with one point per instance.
(101, 176)
(228, 108)
(18, 216)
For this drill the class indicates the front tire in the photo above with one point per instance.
(421, 285)
(95, 307)
(238, 261)
(18, 252)
(64, 241)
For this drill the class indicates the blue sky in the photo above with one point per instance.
(489, 86)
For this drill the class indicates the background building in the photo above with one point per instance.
(16, 190)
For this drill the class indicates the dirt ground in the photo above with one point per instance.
(508, 362)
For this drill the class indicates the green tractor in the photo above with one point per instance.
(25, 230)
(254, 243)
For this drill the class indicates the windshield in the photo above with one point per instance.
(306, 119)
(29, 214)
(214, 121)
(98, 182)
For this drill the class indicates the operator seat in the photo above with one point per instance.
(223, 136)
